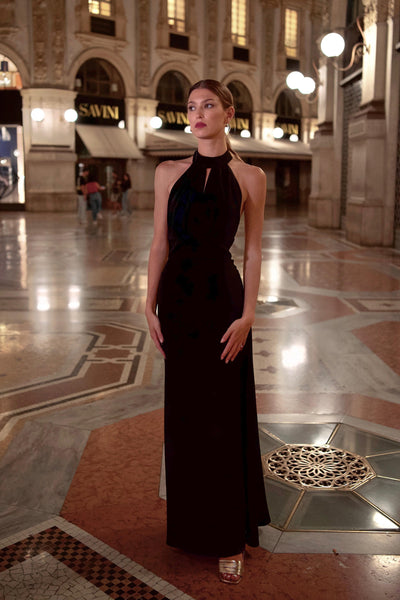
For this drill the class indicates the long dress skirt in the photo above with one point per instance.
(215, 487)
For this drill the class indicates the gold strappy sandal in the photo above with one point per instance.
(230, 570)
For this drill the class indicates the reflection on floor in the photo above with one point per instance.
(81, 429)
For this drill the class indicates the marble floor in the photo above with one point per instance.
(82, 492)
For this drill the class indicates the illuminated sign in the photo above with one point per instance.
(99, 111)
(103, 111)
(289, 126)
(173, 117)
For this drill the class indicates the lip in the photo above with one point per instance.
(200, 125)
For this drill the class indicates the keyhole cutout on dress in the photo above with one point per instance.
(208, 171)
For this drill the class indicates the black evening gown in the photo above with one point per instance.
(215, 488)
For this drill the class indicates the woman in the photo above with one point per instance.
(93, 189)
(199, 317)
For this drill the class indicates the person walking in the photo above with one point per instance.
(200, 314)
(93, 189)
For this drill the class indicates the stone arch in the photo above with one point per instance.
(119, 63)
(305, 106)
(182, 85)
(181, 68)
(289, 103)
(19, 63)
(97, 72)
(240, 92)
(248, 83)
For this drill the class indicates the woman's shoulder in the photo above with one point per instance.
(169, 171)
(174, 166)
(247, 171)
(251, 178)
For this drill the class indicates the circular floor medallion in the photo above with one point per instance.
(318, 467)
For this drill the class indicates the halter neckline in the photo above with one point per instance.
(212, 161)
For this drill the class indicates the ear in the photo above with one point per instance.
(230, 113)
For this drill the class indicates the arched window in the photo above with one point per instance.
(243, 107)
(98, 77)
(241, 96)
(173, 88)
(172, 92)
(288, 105)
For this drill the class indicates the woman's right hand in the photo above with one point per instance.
(155, 331)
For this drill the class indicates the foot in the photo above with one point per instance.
(231, 568)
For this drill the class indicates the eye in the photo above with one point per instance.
(209, 105)
(191, 107)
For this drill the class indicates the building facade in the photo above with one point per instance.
(120, 63)
(356, 168)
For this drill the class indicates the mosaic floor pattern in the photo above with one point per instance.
(81, 422)
(53, 563)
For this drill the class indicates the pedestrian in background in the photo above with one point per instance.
(125, 187)
(93, 189)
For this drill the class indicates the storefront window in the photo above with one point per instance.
(172, 92)
(288, 111)
(11, 143)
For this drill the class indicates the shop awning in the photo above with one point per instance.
(179, 143)
(170, 143)
(108, 142)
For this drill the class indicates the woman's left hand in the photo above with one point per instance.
(235, 338)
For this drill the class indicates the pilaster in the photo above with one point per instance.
(324, 200)
(139, 112)
(49, 151)
(366, 195)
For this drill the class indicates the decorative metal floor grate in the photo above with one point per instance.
(330, 477)
(318, 467)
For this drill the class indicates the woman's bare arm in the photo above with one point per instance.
(158, 252)
(253, 181)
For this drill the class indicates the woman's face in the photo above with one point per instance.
(207, 117)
